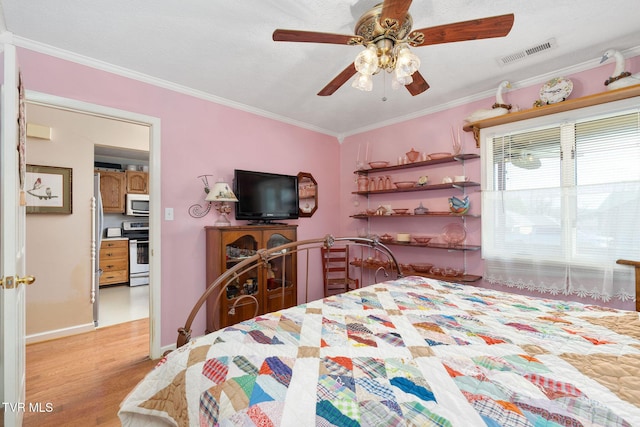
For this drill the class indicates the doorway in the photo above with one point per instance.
(122, 294)
(153, 125)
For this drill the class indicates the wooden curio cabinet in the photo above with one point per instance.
(227, 246)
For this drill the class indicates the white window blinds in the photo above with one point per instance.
(561, 204)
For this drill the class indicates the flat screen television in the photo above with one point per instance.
(265, 197)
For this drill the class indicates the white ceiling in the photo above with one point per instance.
(223, 50)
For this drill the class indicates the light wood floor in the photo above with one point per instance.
(84, 378)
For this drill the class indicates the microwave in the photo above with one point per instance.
(137, 205)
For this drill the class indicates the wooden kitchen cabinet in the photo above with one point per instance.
(113, 190)
(227, 246)
(137, 182)
(114, 261)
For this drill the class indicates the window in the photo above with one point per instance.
(561, 203)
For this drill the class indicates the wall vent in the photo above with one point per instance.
(525, 53)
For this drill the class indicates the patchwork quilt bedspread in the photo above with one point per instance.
(407, 352)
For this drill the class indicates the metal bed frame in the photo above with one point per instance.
(261, 260)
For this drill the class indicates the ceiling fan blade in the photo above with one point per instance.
(395, 10)
(418, 85)
(483, 28)
(338, 81)
(314, 37)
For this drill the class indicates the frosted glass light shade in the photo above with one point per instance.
(363, 82)
(367, 61)
(398, 78)
(407, 63)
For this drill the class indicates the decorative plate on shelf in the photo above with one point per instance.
(556, 90)
(454, 234)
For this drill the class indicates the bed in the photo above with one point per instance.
(407, 351)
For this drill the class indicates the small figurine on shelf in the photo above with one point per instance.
(458, 206)
(619, 78)
(499, 108)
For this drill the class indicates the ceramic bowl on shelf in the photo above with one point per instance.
(400, 211)
(378, 164)
(451, 272)
(435, 271)
(436, 156)
(422, 239)
(405, 184)
(386, 238)
(406, 267)
(422, 267)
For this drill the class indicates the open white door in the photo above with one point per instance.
(12, 250)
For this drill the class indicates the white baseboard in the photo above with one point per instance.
(59, 333)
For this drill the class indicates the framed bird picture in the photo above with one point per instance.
(48, 189)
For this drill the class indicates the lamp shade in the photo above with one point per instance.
(221, 192)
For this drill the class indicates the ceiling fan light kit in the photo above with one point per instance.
(396, 59)
(385, 31)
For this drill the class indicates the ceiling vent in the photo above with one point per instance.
(525, 53)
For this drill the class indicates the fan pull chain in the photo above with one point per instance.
(384, 87)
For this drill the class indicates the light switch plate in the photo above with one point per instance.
(168, 214)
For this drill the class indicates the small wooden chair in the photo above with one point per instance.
(635, 264)
(335, 271)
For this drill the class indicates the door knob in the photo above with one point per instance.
(11, 282)
(27, 280)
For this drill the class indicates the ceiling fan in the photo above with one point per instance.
(385, 31)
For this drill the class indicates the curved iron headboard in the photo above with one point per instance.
(262, 258)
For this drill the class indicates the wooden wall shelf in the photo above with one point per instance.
(568, 105)
(465, 278)
(458, 185)
(447, 159)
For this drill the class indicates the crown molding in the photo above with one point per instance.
(144, 78)
(539, 79)
(340, 136)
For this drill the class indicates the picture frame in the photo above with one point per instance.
(48, 190)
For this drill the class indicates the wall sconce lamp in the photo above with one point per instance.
(218, 196)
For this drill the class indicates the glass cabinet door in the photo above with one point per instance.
(280, 277)
(239, 306)
(279, 269)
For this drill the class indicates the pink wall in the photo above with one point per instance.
(203, 137)
(198, 137)
(432, 133)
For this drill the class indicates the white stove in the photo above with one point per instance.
(138, 234)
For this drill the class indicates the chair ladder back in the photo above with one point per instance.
(335, 270)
